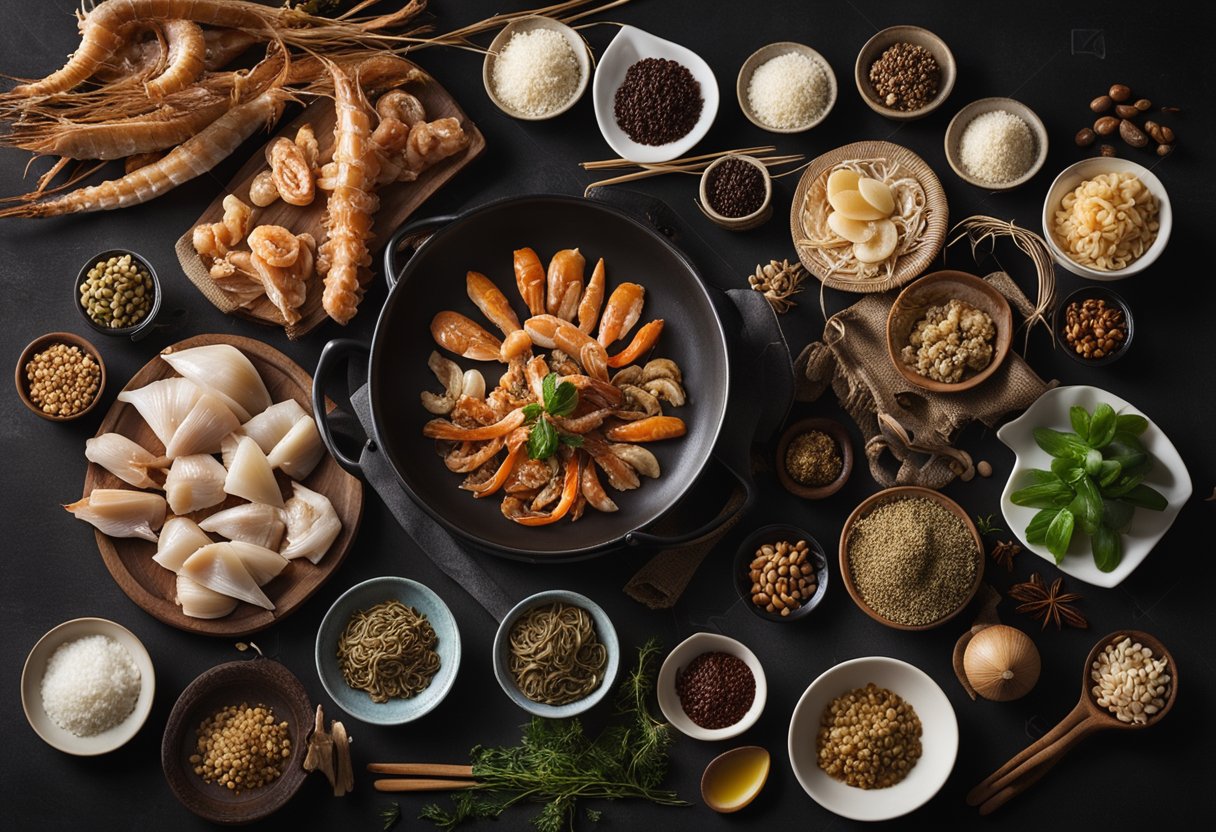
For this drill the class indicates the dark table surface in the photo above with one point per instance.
(1025, 50)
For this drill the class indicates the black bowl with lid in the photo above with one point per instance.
(772, 534)
(141, 328)
(1113, 300)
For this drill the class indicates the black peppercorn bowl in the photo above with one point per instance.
(144, 326)
(747, 553)
(748, 221)
(679, 658)
(1091, 292)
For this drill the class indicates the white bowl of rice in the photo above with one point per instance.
(87, 686)
(786, 87)
(536, 68)
(1106, 218)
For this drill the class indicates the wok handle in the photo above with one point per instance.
(334, 356)
(417, 228)
(734, 508)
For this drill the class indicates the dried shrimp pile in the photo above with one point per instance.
(557, 418)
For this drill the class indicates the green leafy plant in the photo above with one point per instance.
(557, 400)
(983, 524)
(556, 764)
(389, 816)
(1095, 483)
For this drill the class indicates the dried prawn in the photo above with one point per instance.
(187, 52)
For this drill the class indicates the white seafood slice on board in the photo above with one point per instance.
(880, 246)
(163, 404)
(312, 524)
(124, 458)
(220, 569)
(298, 453)
(225, 371)
(120, 512)
(179, 539)
(254, 523)
(228, 446)
(855, 231)
(263, 564)
(195, 482)
(197, 601)
(250, 475)
(204, 427)
(842, 180)
(877, 194)
(272, 424)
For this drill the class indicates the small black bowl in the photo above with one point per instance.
(772, 534)
(139, 330)
(1096, 293)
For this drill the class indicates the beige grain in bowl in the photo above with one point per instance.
(917, 36)
(968, 115)
(799, 93)
(537, 82)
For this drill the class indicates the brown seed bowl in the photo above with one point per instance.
(935, 290)
(256, 681)
(772, 534)
(917, 36)
(898, 493)
(1096, 292)
(38, 345)
(746, 223)
(838, 433)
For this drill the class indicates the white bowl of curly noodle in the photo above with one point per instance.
(1086, 170)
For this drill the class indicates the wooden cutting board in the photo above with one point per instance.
(150, 585)
(397, 202)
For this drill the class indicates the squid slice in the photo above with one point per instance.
(163, 404)
(220, 569)
(253, 523)
(228, 446)
(298, 453)
(179, 539)
(250, 475)
(195, 482)
(262, 564)
(124, 458)
(272, 424)
(204, 427)
(312, 524)
(119, 512)
(197, 601)
(224, 370)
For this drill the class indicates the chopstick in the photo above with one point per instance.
(430, 777)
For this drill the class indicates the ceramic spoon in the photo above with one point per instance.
(1027, 767)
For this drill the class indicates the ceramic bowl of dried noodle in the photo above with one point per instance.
(916, 221)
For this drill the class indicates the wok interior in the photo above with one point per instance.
(484, 241)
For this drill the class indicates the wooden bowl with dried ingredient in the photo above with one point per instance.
(892, 549)
(937, 290)
(844, 446)
(916, 36)
(748, 550)
(41, 344)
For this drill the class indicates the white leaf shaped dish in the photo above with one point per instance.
(1168, 476)
(627, 48)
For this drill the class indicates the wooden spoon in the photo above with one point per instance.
(1088, 716)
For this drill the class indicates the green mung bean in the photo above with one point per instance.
(117, 292)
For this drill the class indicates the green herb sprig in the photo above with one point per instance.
(1096, 482)
(389, 816)
(557, 400)
(983, 525)
(556, 764)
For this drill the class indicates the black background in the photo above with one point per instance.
(52, 571)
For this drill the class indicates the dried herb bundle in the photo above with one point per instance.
(778, 281)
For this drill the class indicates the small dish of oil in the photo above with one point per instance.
(733, 779)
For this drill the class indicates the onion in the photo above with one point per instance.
(1001, 663)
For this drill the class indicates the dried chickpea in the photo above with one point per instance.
(241, 747)
(63, 380)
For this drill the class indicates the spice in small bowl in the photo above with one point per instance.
(814, 458)
(781, 572)
(711, 687)
(60, 376)
(904, 72)
(117, 293)
(737, 192)
(1094, 325)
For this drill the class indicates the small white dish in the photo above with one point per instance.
(762, 56)
(680, 657)
(939, 740)
(1168, 476)
(627, 48)
(1074, 175)
(963, 118)
(528, 24)
(35, 669)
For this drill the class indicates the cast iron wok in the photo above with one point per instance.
(434, 279)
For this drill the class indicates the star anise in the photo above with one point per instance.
(1003, 554)
(1048, 603)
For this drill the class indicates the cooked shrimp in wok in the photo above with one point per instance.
(557, 431)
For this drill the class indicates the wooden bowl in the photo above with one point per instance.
(745, 223)
(1095, 292)
(917, 36)
(964, 117)
(902, 492)
(767, 53)
(38, 345)
(936, 290)
(838, 433)
(256, 681)
(1103, 715)
(747, 553)
(528, 24)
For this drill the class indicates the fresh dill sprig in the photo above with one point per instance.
(389, 816)
(983, 525)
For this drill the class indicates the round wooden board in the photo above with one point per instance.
(130, 559)
(909, 266)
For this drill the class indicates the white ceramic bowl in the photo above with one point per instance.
(939, 740)
(958, 125)
(680, 657)
(1168, 476)
(1074, 175)
(35, 669)
(528, 24)
(627, 48)
(762, 56)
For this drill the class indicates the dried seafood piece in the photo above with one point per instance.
(291, 173)
(778, 281)
(1046, 604)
